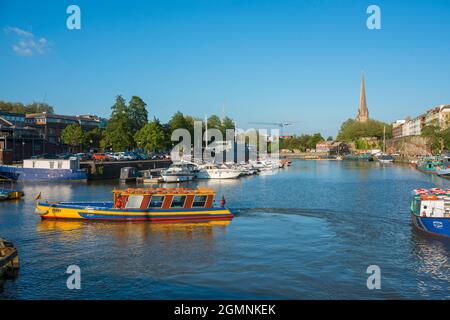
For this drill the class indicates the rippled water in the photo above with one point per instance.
(308, 232)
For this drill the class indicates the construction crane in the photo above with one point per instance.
(281, 125)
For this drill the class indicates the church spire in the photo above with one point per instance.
(363, 112)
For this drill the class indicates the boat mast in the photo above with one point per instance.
(384, 139)
(206, 131)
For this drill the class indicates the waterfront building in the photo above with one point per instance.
(416, 125)
(13, 117)
(17, 140)
(363, 111)
(432, 117)
(444, 116)
(51, 125)
(438, 116)
(324, 146)
(340, 148)
(397, 128)
(406, 127)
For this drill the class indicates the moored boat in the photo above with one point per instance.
(150, 204)
(178, 172)
(428, 165)
(385, 158)
(430, 211)
(7, 194)
(211, 171)
(44, 170)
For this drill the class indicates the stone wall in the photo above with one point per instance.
(408, 146)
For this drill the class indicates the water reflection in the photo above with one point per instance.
(141, 229)
(307, 232)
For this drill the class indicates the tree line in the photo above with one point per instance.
(129, 128)
(438, 139)
(18, 107)
(302, 142)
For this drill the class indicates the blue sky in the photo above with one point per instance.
(263, 60)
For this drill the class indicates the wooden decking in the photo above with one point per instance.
(9, 258)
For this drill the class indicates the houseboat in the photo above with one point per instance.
(151, 204)
(44, 169)
(430, 211)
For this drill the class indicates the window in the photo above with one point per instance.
(199, 201)
(60, 164)
(178, 201)
(156, 202)
(134, 202)
(52, 164)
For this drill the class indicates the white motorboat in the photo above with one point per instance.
(211, 171)
(178, 172)
(385, 158)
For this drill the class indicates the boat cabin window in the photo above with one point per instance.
(134, 202)
(178, 201)
(199, 201)
(156, 202)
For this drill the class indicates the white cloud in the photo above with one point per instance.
(26, 43)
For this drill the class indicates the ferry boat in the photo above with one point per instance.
(44, 170)
(150, 204)
(430, 211)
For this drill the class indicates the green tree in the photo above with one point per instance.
(352, 130)
(178, 121)
(446, 138)
(313, 140)
(214, 122)
(18, 107)
(38, 107)
(434, 136)
(152, 137)
(93, 138)
(227, 123)
(73, 135)
(137, 114)
(330, 138)
(118, 134)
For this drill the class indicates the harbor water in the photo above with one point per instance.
(308, 232)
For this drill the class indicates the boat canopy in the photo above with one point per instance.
(163, 191)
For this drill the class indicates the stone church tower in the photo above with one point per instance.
(363, 112)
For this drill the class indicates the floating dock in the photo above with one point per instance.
(9, 258)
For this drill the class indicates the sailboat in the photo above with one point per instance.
(385, 158)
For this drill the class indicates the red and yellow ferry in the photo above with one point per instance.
(150, 204)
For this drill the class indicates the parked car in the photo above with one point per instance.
(115, 155)
(83, 156)
(100, 156)
(111, 156)
(129, 156)
(64, 155)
